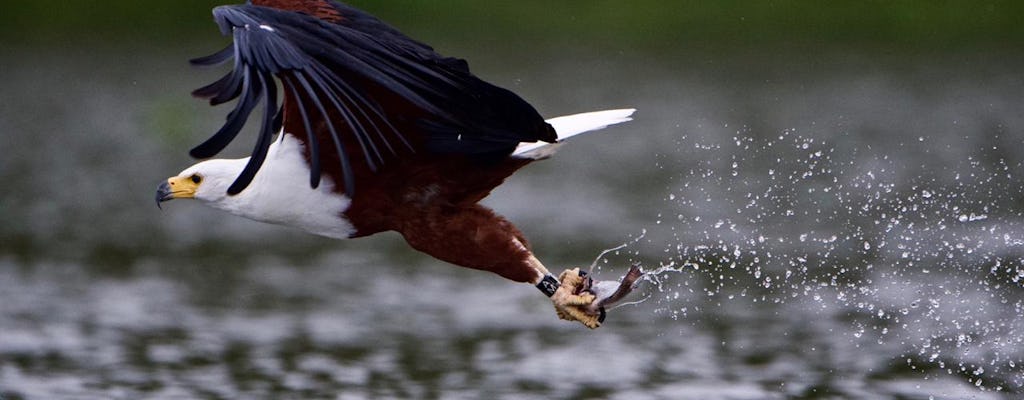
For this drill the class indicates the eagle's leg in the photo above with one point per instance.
(475, 237)
(571, 302)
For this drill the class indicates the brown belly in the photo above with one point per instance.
(403, 192)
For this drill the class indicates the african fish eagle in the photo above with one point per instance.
(376, 132)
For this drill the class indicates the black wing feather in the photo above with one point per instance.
(220, 86)
(265, 81)
(314, 145)
(339, 147)
(357, 127)
(330, 67)
(250, 95)
(215, 59)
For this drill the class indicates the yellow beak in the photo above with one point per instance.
(175, 188)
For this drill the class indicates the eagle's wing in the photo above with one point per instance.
(357, 91)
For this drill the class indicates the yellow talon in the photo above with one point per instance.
(579, 300)
(571, 306)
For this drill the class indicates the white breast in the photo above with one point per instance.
(280, 194)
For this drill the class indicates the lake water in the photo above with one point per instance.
(837, 226)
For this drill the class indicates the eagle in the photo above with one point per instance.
(365, 130)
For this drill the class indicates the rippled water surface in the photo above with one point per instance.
(822, 227)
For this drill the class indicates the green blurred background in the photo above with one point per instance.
(645, 24)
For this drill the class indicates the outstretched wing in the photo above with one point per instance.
(357, 91)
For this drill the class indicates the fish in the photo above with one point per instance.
(607, 293)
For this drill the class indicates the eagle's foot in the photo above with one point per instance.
(573, 302)
(579, 297)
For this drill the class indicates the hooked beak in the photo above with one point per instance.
(163, 193)
(175, 188)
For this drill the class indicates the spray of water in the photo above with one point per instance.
(917, 257)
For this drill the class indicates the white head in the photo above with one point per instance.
(278, 194)
(207, 181)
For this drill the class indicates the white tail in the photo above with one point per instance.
(572, 125)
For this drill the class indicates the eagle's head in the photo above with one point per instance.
(207, 181)
(280, 192)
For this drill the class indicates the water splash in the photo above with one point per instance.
(605, 252)
(924, 261)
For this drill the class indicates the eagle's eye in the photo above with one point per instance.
(196, 179)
